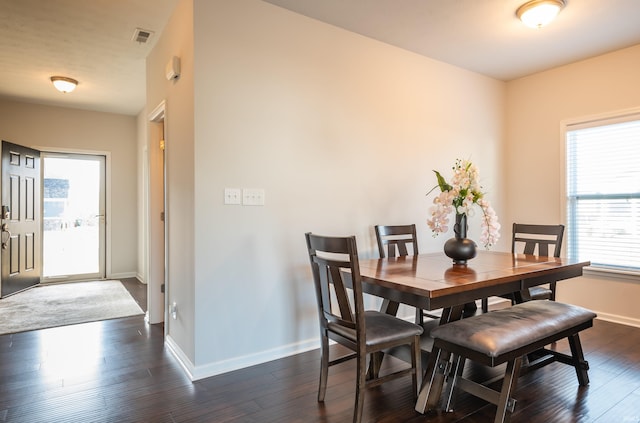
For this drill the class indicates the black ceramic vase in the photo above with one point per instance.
(460, 248)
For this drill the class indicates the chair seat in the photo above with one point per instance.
(540, 293)
(381, 328)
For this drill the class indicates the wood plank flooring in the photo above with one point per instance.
(119, 371)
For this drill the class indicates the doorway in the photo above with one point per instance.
(156, 220)
(73, 217)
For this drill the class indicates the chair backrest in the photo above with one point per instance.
(540, 236)
(396, 238)
(334, 260)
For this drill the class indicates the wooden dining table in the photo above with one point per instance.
(432, 281)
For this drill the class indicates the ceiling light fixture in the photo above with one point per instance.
(64, 84)
(538, 13)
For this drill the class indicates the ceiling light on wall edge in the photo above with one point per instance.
(538, 13)
(64, 84)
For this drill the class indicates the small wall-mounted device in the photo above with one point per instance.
(173, 68)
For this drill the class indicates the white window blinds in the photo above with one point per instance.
(603, 193)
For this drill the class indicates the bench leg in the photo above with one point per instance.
(580, 364)
(506, 403)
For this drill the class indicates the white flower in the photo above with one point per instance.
(463, 193)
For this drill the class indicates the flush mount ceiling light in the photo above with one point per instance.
(538, 13)
(64, 84)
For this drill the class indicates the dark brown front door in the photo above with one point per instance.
(20, 254)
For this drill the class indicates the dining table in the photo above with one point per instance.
(431, 282)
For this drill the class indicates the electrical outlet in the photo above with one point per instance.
(174, 310)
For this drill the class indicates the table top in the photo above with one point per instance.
(432, 281)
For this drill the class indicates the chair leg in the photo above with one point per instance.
(485, 305)
(552, 287)
(416, 363)
(324, 367)
(361, 381)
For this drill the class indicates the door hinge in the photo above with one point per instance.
(162, 216)
(162, 145)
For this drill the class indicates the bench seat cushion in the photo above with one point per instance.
(502, 331)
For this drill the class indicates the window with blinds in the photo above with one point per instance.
(603, 192)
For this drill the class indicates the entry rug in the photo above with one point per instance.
(49, 306)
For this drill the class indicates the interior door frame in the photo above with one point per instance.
(102, 249)
(107, 195)
(156, 242)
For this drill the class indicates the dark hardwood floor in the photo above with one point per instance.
(137, 290)
(119, 371)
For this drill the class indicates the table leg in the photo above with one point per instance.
(433, 380)
(437, 368)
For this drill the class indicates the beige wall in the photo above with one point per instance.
(536, 106)
(342, 132)
(176, 40)
(56, 128)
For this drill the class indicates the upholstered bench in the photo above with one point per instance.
(504, 336)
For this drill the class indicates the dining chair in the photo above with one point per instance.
(396, 238)
(542, 240)
(343, 319)
(398, 241)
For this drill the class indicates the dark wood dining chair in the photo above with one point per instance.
(400, 241)
(396, 239)
(541, 240)
(335, 268)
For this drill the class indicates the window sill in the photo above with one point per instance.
(603, 272)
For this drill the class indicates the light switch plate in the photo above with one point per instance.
(253, 197)
(232, 196)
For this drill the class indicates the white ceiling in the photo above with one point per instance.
(484, 36)
(91, 40)
(88, 40)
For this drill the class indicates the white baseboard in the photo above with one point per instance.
(122, 275)
(213, 369)
(182, 358)
(613, 318)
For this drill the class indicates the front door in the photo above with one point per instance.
(20, 253)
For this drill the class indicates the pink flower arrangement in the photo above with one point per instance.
(460, 196)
